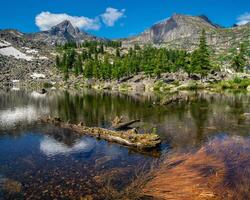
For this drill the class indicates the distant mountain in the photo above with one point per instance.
(183, 32)
(176, 32)
(62, 33)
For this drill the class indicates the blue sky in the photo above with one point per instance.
(115, 18)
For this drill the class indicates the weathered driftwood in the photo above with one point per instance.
(127, 138)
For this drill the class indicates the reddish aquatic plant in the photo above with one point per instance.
(220, 169)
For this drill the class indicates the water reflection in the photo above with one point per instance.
(51, 162)
(51, 147)
(37, 95)
(20, 115)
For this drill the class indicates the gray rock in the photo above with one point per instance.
(195, 77)
(168, 80)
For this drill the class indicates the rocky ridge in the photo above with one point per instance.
(183, 32)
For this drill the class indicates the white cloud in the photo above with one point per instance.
(243, 19)
(111, 15)
(46, 20)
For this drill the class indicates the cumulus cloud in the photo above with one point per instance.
(243, 19)
(111, 15)
(46, 20)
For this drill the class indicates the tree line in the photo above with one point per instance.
(108, 60)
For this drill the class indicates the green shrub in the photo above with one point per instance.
(47, 85)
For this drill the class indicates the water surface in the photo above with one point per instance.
(44, 162)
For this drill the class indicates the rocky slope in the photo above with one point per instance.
(25, 56)
(21, 57)
(181, 31)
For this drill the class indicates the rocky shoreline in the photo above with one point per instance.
(167, 83)
(42, 74)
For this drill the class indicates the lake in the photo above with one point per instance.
(39, 161)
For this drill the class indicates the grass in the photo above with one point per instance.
(124, 87)
(47, 85)
(192, 86)
(218, 170)
(235, 84)
(160, 86)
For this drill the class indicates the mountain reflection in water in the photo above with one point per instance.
(46, 162)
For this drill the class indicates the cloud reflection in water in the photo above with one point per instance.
(13, 116)
(51, 147)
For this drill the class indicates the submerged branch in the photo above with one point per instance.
(122, 126)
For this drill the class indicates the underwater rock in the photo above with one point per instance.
(9, 185)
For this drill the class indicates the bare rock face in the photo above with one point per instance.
(65, 28)
(183, 32)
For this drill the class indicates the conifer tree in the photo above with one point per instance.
(200, 61)
(239, 61)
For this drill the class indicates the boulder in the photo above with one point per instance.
(195, 77)
(168, 80)
(43, 91)
(139, 87)
(125, 79)
(137, 78)
(246, 116)
(248, 88)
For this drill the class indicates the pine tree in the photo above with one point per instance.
(200, 61)
(239, 61)
(78, 66)
(58, 62)
(88, 69)
(101, 50)
(71, 58)
(117, 53)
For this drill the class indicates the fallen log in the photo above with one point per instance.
(128, 138)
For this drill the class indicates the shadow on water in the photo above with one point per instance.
(45, 162)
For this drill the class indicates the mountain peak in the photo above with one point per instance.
(183, 29)
(65, 27)
(64, 32)
(206, 19)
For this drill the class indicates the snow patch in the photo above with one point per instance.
(15, 81)
(37, 76)
(4, 43)
(32, 51)
(11, 51)
(43, 58)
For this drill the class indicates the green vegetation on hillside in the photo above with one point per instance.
(109, 60)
